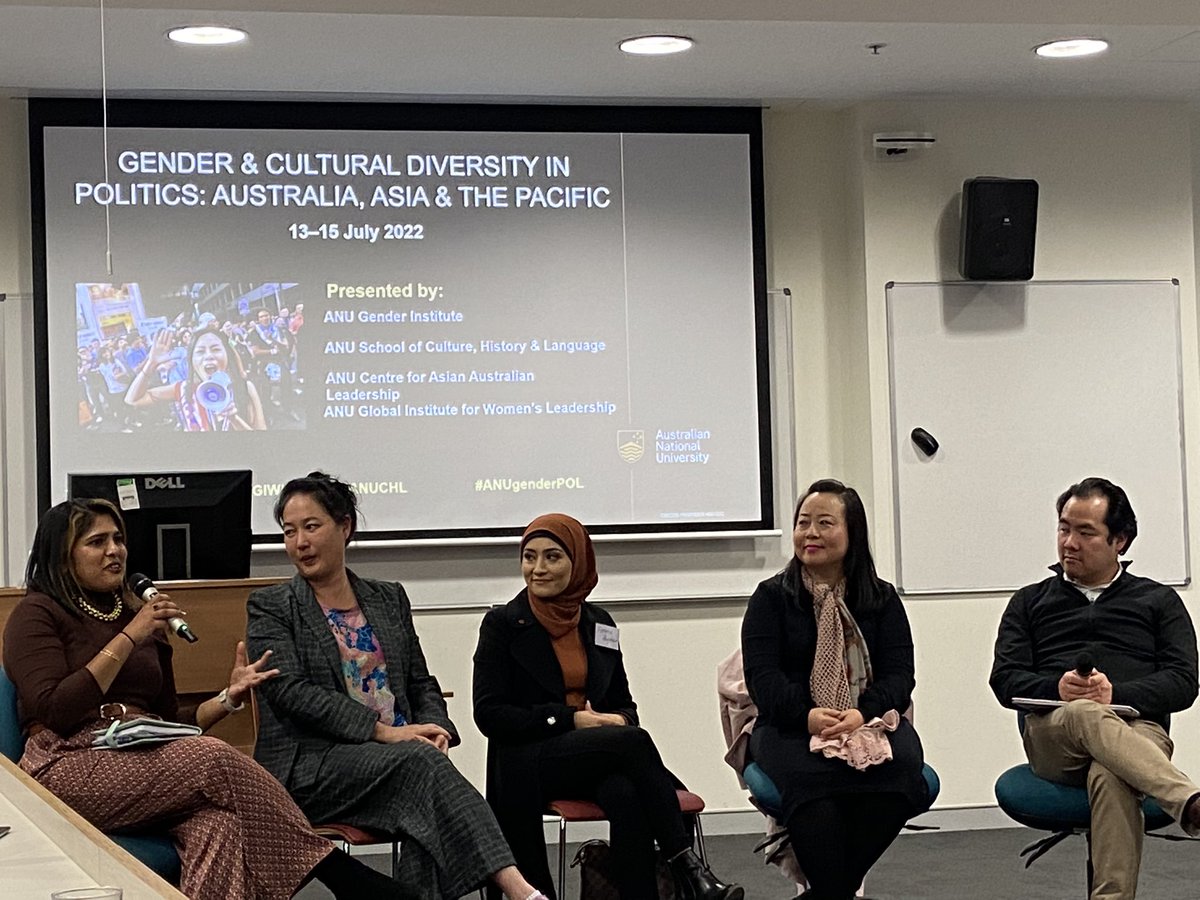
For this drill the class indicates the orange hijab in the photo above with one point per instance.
(560, 614)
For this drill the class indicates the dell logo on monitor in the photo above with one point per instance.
(173, 482)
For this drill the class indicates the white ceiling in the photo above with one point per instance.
(768, 51)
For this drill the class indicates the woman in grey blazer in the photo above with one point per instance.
(354, 725)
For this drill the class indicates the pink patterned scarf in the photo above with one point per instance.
(841, 672)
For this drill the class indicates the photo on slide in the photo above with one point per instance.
(203, 356)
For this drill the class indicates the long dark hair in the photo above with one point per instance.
(336, 497)
(863, 589)
(49, 570)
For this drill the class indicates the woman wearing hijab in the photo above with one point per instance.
(828, 657)
(552, 698)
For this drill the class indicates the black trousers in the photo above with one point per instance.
(619, 769)
(838, 838)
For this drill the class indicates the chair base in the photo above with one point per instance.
(1061, 809)
(585, 811)
(769, 801)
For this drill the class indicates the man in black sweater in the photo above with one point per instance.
(1093, 634)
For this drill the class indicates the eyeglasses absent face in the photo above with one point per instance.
(315, 543)
(820, 537)
(209, 356)
(1086, 550)
(98, 557)
(545, 567)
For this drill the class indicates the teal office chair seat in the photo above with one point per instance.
(1060, 809)
(1049, 806)
(766, 795)
(155, 849)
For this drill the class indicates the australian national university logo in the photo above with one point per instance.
(631, 445)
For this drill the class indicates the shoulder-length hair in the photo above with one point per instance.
(49, 570)
(863, 589)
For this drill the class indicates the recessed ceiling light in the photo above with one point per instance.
(656, 44)
(1071, 47)
(208, 35)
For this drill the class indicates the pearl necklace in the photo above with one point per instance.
(110, 616)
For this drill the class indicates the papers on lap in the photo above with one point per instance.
(1031, 705)
(121, 735)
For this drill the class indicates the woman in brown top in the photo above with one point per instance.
(552, 698)
(83, 651)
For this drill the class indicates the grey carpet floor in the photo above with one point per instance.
(979, 865)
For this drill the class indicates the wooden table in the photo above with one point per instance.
(52, 847)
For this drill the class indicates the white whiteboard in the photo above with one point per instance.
(1029, 388)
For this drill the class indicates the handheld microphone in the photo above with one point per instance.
(142, 586)
(1084, 665)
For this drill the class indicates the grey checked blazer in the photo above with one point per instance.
(306, 708)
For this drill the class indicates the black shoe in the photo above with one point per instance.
(695, 881)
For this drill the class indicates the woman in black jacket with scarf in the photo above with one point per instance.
(552, 698)
(828, 655)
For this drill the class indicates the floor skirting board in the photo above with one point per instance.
(749, 821)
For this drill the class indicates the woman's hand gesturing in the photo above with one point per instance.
(247, 675)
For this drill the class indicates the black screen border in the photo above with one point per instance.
(370, 116)
(233, 506)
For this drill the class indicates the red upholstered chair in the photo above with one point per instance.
(353, 836)
(339, 832)
(585, 811)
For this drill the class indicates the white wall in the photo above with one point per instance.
(1117, 201)
(16, 339)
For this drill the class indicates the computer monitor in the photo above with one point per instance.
(179, 525)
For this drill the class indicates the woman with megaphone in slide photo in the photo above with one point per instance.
(216, 395)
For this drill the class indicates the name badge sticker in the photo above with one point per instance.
(607, 636)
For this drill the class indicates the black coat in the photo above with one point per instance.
(519, 692)
(519, 697)
(779, 641)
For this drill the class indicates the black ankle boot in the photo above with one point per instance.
(347, 877)
(695, 881)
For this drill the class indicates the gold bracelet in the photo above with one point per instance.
(111, 655)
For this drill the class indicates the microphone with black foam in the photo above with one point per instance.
(142, 586)
(1084, 666)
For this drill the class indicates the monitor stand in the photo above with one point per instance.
(174, 552)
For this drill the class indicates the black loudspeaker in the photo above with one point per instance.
(999, 220)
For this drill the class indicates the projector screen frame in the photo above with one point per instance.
(371, 116)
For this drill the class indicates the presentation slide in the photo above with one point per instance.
(473, 327)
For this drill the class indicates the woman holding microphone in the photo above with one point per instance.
(84, 652)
